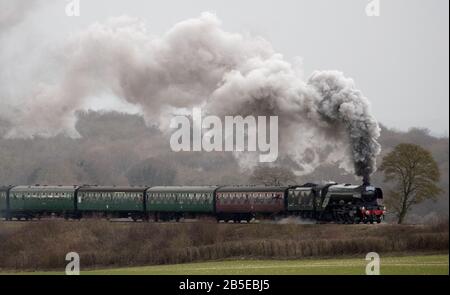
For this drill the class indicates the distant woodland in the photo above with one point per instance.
(119, 149)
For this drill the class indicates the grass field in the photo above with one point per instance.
(399, 265)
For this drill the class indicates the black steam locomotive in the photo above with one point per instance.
(331, 202)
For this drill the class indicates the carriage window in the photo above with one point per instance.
(242, 199)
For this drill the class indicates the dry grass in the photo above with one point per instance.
(43, 245)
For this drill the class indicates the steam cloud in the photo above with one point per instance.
(196, 63)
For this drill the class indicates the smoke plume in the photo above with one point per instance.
(197, 63)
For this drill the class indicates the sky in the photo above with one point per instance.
(398, 59)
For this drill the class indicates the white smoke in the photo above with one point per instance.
(14, 12)
(196, 63)
(295, 220)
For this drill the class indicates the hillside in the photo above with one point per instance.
(120, 149)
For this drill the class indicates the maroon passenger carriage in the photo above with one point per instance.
(239, 203)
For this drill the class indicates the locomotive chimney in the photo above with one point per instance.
(366, 180)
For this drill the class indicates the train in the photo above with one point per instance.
(330, 202)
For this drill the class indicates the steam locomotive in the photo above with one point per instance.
(331, 202)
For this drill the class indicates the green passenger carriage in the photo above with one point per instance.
(167, 202)
(112, 201)
(4, 191)
(36, 201)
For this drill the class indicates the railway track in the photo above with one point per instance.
(182, 221)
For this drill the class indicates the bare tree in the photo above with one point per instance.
(414, 173)
(152, 172)
(272, 176)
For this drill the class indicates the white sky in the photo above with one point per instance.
(398, 59)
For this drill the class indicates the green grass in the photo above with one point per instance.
(398, 265)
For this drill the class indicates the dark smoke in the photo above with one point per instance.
(343, 104)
